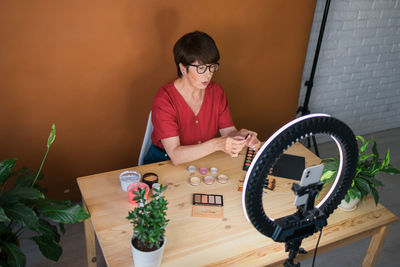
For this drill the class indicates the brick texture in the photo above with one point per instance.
(358, 72)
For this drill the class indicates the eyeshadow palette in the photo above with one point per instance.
(250, 154)
(209, 200)
(208, 206)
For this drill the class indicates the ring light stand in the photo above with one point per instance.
(292, 229)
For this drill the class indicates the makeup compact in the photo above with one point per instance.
(203, 170)
(222, 179)
(250, 154)
(208, 179)
(150, 178)
(194, 180)
(191, 169)
(208, 205)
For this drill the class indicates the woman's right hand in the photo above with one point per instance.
(232, 145)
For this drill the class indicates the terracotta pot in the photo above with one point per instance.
(147, 259)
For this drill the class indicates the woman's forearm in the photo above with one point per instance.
(181, 154)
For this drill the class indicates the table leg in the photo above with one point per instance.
(375, 246)
(90, 240)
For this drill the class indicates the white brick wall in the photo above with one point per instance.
(358, 72)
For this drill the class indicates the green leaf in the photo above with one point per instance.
(5, 232)
(22, 214)
(27, 193)
(15, 257)
(354, 192)
(48, 247)
(3, 216)
(391, 170)
(358, 137)
(47, 230)
(52, 136)
(25, 178)
(5, 169)
(364, 157)
(375, 151)
(328, 176)
(347, 197)
(331, 165)
(375, 193)
(62, 212)
(386, 162)
(365, 146)
(363, 186)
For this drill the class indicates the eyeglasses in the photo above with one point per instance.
(203, 68)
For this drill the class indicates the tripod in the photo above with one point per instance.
(304, 110)
(307, 213)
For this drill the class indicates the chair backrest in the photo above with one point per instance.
(146, 141)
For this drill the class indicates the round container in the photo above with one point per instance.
(194, 180)
(127, 178)
(203, 170)
(150, 178)
(214, 170)
(191, 169)
(135, 187)
(208, 179)
(222, 179)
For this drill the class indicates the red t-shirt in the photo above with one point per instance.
(171, 115)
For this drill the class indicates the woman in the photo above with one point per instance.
(187, 113)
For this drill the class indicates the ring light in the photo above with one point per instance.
(293, 228)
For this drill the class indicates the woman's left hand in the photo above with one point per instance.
(251, 139)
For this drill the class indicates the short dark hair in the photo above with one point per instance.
(195, 46)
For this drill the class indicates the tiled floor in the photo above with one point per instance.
(73, 243)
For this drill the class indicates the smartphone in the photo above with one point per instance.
(311, 175)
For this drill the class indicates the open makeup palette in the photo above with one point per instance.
(208, 205)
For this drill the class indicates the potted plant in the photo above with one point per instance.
(364, 182)
(149, 222)
(23, 206)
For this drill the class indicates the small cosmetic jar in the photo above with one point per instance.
(214, 170)
(222, 179)
(135, 188)
(150, 178)
(203, 170)
(194, 180)
(155, 186)
(208, 179)
(191, 169)
(127, 178)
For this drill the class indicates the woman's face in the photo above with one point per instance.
(196, 80)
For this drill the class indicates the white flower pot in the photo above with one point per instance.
(147, 259)
(352, 205)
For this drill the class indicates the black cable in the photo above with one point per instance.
(316, 248)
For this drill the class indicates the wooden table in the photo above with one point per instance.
(231, 241)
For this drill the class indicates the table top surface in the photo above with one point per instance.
(231, 241)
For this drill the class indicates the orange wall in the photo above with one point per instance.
(93, 67)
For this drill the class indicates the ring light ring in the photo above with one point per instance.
(281, 140)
